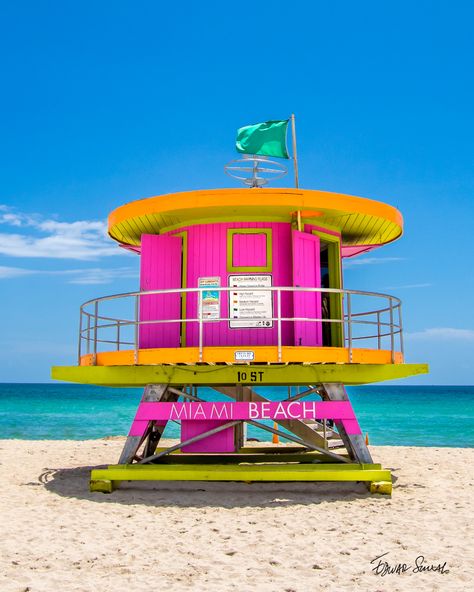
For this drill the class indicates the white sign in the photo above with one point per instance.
(210, 301)
(252, 308)
(244, 356)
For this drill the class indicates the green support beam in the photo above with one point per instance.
(252, 374)
(106, 480)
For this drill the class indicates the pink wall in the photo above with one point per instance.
(249, 250)
(207, 257)
(223, 441)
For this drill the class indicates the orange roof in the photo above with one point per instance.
(361, 221)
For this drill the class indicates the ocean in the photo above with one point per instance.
(390, 415)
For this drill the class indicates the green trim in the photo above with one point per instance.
(335, 281)
(313, 222)
(288, 219)
(327, 236)
(273, 374)
(184, 274)
(230, 241)
(260, 472)
(230, 220)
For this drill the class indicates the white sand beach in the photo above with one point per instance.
(56, 536)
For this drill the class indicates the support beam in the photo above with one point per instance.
(101, 478)
(310, 391)
(355, 443)
(152, 393)
(239, 430)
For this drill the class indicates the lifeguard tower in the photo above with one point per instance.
(239, 289)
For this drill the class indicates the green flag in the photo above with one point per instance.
(267, 139)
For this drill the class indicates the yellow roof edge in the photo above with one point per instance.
(214, 200)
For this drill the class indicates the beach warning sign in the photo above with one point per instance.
(250, 308)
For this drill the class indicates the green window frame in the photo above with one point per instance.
(335, 281)
(184, 275)
(230, 249)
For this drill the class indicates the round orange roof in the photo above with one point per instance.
(361, 221)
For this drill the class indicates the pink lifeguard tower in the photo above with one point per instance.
(242, 288)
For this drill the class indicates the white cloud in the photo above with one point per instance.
(11, 272)
(11, 219)
(91, 276)
(369, 260)
(447, 333)
(98, 275)
(84, 240)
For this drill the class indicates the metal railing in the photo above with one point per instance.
(383, 323)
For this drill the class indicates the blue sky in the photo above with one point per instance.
(106, 102)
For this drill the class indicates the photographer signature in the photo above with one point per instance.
(383, 568)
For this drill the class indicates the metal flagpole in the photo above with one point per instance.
(295, 156)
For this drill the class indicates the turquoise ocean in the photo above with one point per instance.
(391, 415)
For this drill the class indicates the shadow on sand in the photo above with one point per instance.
(74, 483)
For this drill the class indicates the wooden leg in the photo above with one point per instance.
(154, 435)
(152, 393)
(355, 443)
(239, 428)
(130, 449)
(102, 485)
(384, 487)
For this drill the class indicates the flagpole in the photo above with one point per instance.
(295, 156)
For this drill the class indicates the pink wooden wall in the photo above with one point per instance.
(249, 249)
(207, 257)
(223, 441)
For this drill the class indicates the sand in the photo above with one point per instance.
(56, 536)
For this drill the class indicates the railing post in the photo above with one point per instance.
(392, 335)
(279, 323)
(137, 314)
(400, 326)
(200, 323)
(379, 338)
(88, 333)
(118, 335)
(96, 320)
(349, 325)
(79, 345)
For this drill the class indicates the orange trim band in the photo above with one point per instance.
(263, 354)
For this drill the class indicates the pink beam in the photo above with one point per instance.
(227, 411)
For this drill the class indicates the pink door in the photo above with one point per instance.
(160, 268)
(306, 274)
